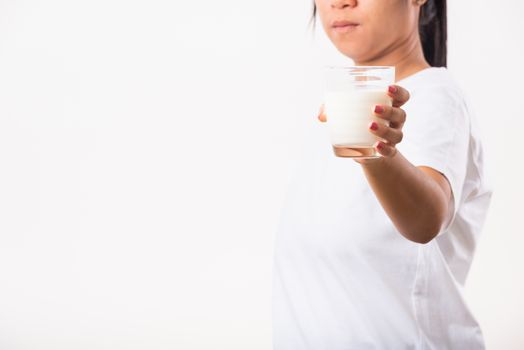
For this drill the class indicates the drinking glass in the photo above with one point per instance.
(350, 96)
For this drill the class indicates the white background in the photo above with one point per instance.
(145, 149)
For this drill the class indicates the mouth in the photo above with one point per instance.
(344, 26)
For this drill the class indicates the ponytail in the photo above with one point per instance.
(432, 29)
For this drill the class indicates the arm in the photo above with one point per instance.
(417, 199)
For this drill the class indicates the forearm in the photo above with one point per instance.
(413, 200)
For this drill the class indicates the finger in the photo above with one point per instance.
(390, 135)
(385, 149)
(398, 94)
(396, 116)
(321, 114)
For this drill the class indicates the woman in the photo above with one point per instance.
(373, 254)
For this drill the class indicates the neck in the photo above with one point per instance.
(407, 58)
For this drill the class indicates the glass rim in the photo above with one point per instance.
(356, 67)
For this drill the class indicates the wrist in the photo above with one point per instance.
(367, 162)
(379, 162)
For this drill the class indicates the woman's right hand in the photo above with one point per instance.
(321, 115)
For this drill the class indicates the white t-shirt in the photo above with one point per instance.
(343, 277)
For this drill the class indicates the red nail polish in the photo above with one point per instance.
(373, 126)
(379, 109)
(379, 145)
(392, 89)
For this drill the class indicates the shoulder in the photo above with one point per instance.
(434, 83)
(435, 96)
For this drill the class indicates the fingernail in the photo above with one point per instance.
(379, 109)
(380, 145)
(373, 126)
(392, 89)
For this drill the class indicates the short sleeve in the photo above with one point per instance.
(436, 135)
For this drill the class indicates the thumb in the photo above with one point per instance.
(321, 114)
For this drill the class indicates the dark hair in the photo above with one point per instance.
(432, 29)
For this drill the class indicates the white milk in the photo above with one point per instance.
(349, 114)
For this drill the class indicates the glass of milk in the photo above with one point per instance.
(350, 96)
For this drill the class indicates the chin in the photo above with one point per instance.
(350, 52)
(354, 53)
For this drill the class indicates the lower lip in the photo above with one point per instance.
(345, 29)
